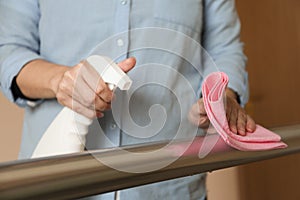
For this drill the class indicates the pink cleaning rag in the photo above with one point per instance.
(213, 91)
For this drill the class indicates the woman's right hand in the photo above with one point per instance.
(82, 89)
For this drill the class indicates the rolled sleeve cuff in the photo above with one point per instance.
(240, 88)
(11, 67)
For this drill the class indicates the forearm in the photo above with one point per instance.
(221, 39)
(39, 79)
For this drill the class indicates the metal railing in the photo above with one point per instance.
(79, 175)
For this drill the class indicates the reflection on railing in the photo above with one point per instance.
(84, 174)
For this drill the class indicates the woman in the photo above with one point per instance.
(43, 42)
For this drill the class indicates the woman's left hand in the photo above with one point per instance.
(238, 120)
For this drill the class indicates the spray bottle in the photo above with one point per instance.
(66, 134)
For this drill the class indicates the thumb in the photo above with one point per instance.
(128, 64)
(201, 107)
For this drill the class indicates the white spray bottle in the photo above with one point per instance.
(66, 134)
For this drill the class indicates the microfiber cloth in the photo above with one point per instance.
(213, 91)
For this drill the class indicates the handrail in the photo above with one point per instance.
(79, 175)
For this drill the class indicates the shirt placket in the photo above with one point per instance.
(121, 29)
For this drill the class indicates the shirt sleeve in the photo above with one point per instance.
(19, 41)
(221, 40)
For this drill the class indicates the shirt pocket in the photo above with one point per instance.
(186, 13)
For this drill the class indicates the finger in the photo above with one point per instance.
(193, 117)
(194, 111)
(233, 120)
(89, 74)
(251, 125)
(241, 123)
(89, 112)
(128, 64)
(197, 115)
(99, 114)
(201, 107)
(87, 97)
(198, 120)
(83, 93)
(203, 122)
(67, 101)
(81, 109)
(104, 92)
(228, 111)
(96, 83)
(101, 105)
(90, 101)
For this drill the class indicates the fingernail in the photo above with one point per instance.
(249, 129)
(100, 115)
(233, 129)
(242, 132)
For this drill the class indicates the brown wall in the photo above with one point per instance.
(224, 185)
(10, 125)
(271, 31)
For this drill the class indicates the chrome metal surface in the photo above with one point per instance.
(79, 175)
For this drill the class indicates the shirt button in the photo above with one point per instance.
(123, 2)
(113, 126)
(31, 103)
(120, 42)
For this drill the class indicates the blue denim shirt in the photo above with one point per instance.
(159, 32)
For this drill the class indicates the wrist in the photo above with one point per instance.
(38, 79)
(56, 78)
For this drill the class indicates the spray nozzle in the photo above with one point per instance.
(110, 72)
